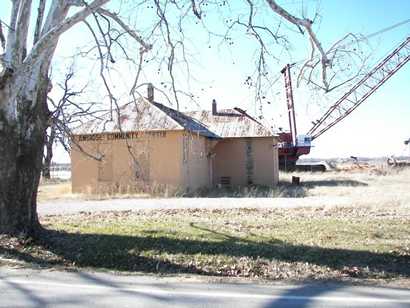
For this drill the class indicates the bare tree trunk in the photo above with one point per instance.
(49, 141)
(23, 104)
(21, 152)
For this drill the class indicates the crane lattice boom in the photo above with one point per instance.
(363, 89)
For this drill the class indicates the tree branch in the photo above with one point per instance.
(307, 24)
(195, 10)
(131, 32)
(2, 38)
(16, 49)
(39, 21)
(50, 37)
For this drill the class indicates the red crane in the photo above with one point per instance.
(292, 146)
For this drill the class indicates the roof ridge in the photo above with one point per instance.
(202, 126)
(155, 105)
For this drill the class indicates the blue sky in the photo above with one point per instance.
(377, 128)
(380, 125)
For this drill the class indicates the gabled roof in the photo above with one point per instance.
(146, 116)
(141, 116)
(186, 121)
(230, 123)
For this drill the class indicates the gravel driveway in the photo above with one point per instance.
(59, 207)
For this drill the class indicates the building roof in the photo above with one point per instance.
(147, 116)
(141, 116)
(230, 123)
(187, 122)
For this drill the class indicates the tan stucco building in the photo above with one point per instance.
(148, 146)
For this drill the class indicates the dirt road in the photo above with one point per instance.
(59, 207)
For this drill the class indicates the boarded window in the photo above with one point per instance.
(105, 170)
(142, 167)
(140, 160)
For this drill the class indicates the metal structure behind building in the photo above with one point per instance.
(293, 146)
(290, 103)
(363, 89)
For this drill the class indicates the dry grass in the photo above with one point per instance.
(51, 191)
(363, 187)
(369, 239)
(269, 244)
(374, 188)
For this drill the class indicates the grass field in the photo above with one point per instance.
(58, 190)
(370, 239)
(376, 188)
(62, 190)
(270, 244)
(382, 187)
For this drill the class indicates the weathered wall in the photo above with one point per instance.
(265, 156)
(84, 169)
(229, 161)
(147, 161)
(275, 163)
(172, 160)
(195, 165)
(246, 161)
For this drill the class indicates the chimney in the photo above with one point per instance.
(214, 108)
(150, 92)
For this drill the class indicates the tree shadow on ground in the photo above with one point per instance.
(323, 295)
(301, 296)
(151, 254)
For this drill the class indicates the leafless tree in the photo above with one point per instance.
(70, 110)
(24, 115)
(159, 31)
